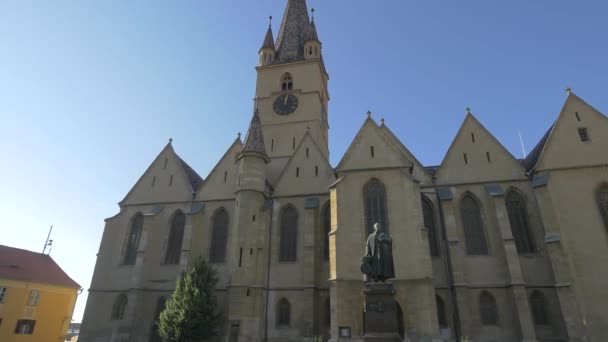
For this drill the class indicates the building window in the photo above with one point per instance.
(2, 294)
(473, 226)
(429, 222)
(307, 152)
(488, 157)
(34, 298)
(326, 230)
(539, 308)
(602, 202)
(219, 237)
(441, 314)
(161, 303)
(487, 309)
(133, 240)
(473, 137)
(374, 197)
(283, 313)
(25, 327)
(153, 181)
(171, 180)
(176, 236)
(297, 172)
(120, 304)
(287, 82)
(165, 164)
(583, 134)
(578, 118)
(371, 151)
(316, 171)
(466, 159)
(288, 235)
(520, 225)
(327, 314)
(225, 176)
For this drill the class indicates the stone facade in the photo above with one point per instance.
(546, 288)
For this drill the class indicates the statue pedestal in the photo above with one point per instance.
(382, 313)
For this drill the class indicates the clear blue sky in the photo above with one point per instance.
(90, 92)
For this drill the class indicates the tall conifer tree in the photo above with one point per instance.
(191, 313)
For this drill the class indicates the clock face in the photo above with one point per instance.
(285, 104)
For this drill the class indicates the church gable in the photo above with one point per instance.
(418, 172)
(476, 156)
(372, 148)
(579, 137)
(167, 179)
(307, 172)
(221, 181)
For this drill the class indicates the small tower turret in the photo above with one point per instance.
(253, 158)
(267, 51)
(312, 46)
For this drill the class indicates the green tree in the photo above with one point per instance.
(191, 314)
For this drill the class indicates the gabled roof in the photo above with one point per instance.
(407, 153)
(268, 40)
(532, 161)
(254, 141)
(532, 158)
(382, 134)
(307, 136)
(237, 145)
(472, 118)
(23, 265)
(293, 32)
(195, 180)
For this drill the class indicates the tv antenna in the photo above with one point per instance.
(49, 242)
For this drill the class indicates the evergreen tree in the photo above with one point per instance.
(191, 313)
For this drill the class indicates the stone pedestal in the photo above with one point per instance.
(381, 313)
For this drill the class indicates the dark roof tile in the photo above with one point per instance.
(532, 158)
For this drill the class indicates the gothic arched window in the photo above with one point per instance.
(538, 306)
(602, 202)
(219, 237)
(283, 312)
(520, 226)
(137, 225)
(374, 197)
(429, 222)
(473, 226)
(441, 314)
(289, 234)
(120, 304)
(287, 82)
(326, 230)
(488, 309)
(176, 236)
(327, 314)
(160, 307)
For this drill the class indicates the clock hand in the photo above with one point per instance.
(286, 97)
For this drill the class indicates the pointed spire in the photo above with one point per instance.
(254, 141)
(269, 40)
(293, 32)
(312, 30)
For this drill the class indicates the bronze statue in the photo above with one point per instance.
(378, 260)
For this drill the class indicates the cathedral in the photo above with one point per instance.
(487, 247)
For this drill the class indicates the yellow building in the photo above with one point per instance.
(36, 297)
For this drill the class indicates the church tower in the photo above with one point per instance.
(291, 87)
